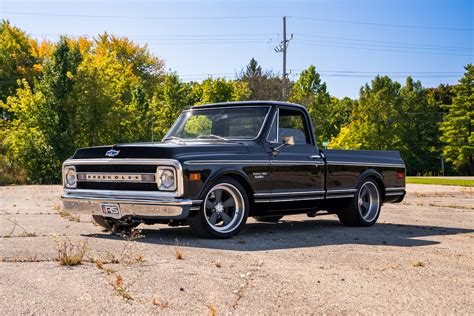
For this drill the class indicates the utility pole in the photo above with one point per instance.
(282, 48)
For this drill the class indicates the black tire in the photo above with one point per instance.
(112, 224)
(364, 209)
(268, 219)
(214, 212)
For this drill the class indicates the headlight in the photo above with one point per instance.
(70, 178)
(166, 179)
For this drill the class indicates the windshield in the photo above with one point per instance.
(220, 124)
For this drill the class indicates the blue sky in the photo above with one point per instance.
(349, 42)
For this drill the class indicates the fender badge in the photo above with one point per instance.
(112, 153)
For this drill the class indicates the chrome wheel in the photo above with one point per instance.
(224, 208)
(368, 201)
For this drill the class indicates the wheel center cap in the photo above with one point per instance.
(219, 207)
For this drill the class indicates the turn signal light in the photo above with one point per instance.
(194, 176)
(400, 174)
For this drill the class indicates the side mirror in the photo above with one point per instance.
(287, 141)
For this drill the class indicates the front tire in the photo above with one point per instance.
(364, 208)
(224, 210)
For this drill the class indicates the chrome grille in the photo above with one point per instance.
(123, 175)
(116, 177)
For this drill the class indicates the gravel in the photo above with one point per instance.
(417, 259)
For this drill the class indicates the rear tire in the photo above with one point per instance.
(268, 219)
(224, 210)
(364, 209)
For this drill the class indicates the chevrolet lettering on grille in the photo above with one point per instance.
(105, 177)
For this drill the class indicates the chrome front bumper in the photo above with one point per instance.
(135, 206)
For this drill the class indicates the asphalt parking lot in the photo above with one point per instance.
(419, 258)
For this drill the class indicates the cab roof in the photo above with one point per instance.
(247, 103)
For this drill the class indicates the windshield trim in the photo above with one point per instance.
(225, 107)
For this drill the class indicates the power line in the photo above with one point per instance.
(144, 17)
(384, 24)
(238, 17)
(315, 43)
(180, 36)
(386, 42)
(209, 42)
(420, 49)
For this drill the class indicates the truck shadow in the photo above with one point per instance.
(298, 234)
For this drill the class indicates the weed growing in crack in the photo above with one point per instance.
(212, 309)
(178, 252)
(156, 302)
(418, 264)
(120, 288)
(70, 254)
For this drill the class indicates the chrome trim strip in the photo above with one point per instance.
(253, 162)
(296, 162)
(363, 164)
(341, 190)
(289, 193)
(132, 161)
(394, 193)
(289, 200)
(226, 162)
(118, 193)
(340, 196)
(127, 200)
(197, 201)
(121, 161)
(395, 189)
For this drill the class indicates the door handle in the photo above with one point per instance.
(315, 157)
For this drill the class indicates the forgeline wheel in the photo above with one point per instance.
(268, 219)
(364, 208)
(224, 210)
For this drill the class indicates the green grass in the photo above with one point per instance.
(441, 181)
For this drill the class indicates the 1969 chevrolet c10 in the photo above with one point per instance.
(221, 163)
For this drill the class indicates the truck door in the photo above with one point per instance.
(296, 171)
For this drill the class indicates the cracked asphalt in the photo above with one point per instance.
(419, 258)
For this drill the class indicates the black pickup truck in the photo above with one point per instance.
(221, 163)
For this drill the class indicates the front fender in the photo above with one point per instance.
(234, 172)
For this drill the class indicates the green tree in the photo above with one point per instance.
(18, 59)
(221, 90)
(27, 143)
(263, 85)
(91, 93)
(171, 99)
(311, 92)
(458, 125)
(390, 117)
(416, 129)
(372, 123)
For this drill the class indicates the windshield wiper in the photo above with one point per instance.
(212, 136)
(174, 138)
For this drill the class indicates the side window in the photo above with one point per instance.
(293, 123)
(272, 134)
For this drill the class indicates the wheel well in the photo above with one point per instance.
(379, 183)
(245, 184)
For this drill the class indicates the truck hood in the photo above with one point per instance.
(167, 150)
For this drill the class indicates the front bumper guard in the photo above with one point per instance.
(156, 207)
